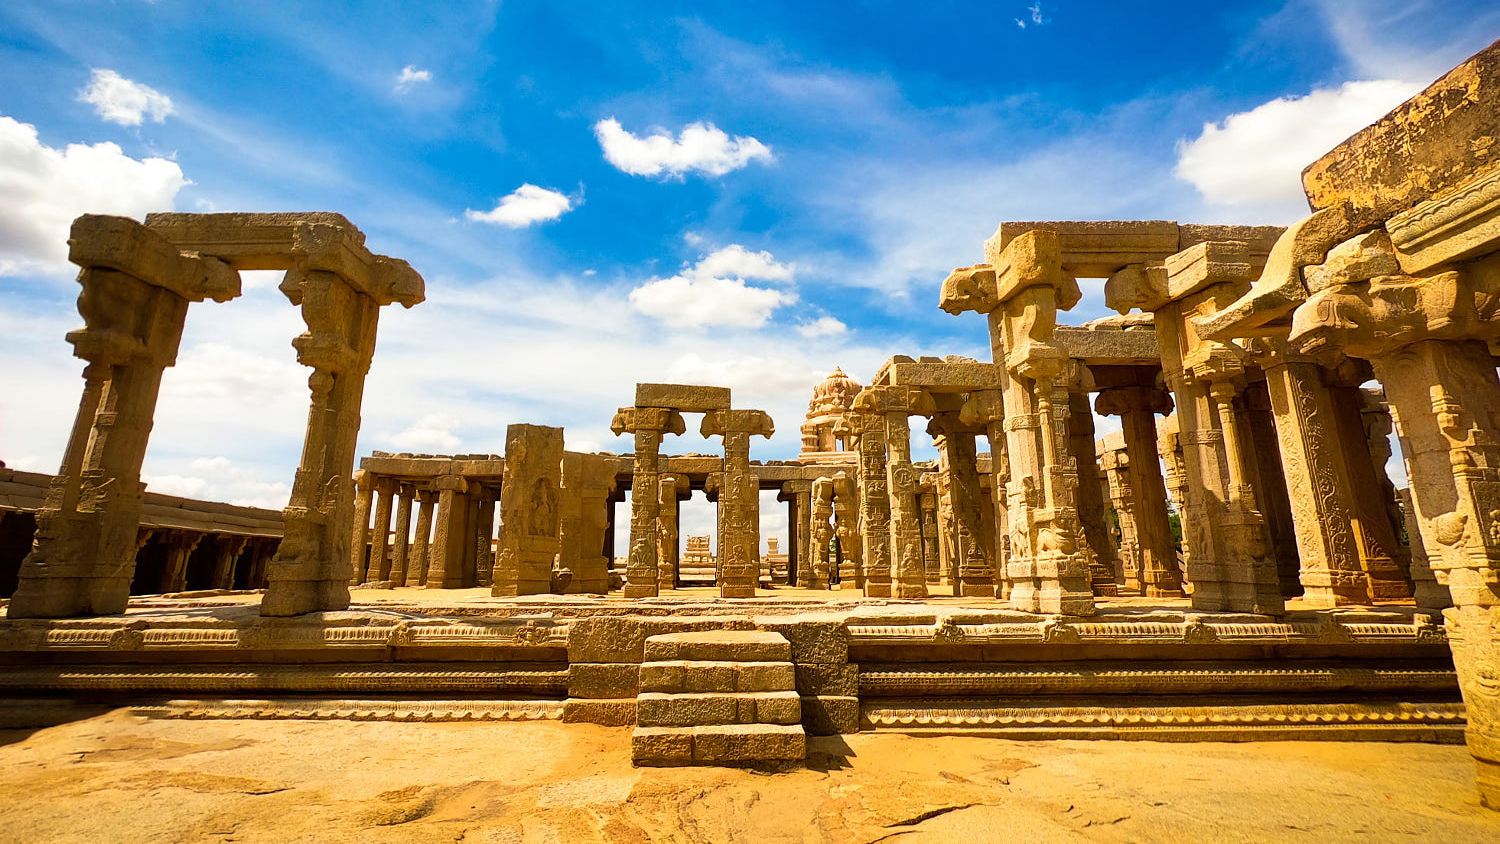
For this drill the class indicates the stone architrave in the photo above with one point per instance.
(1021, 290)
(588, 481)
(846, 527)
(739, 499)
(401, 548)
(416, 569)
(648, 424)
(896, 405)
(666, 533)
(985, 408)
(529, 511)
(339, 286)
(820, 533)
(958, 462)
(136, 290)
(359, 543)
(446, 552)
(380, 534)
(1144, 503)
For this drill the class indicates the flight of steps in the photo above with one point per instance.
(719, 697)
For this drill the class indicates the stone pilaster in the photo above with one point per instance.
(739, 499)
(648, 424)
(928, 495)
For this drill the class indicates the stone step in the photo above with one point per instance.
(748, 745)
(720, 645)
(678, 675)
(691, 709)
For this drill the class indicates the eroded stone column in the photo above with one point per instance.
(1114, 459)
(985, 408)
(485, 538)
(1088, 498)
(1140, 481)
(226, 553)
(820, 531)
(180, 549)
(846, 525)
(739, 499)
(666, 533)
(446, 553)
(648, 424)
(416, 569)
(528, 511)
(136, 290)
(401, 550)
(897, 405)
(958, 461)
(359, 544)
(380, 533)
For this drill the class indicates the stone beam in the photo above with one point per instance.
(682, 397)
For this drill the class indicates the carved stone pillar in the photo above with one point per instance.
(416, 568)
(401, 550)
(846, 516)
(446, 553)
(897, 405)
(1426, 590)
(485, 538)
(359, 544)
(529, 510)
(1088, 498)
(226, 552)
(1364, 432)
(648, 424)
(180, 548)
(1259, 430)
(666, 533)
(986, 409)
(1141, 481)
(136, 290)
(874, 503)
(958, 462)
(739, 499)
(1114, 459)
(820, 531)
(928, 496)
(587, 483)
(380, 533)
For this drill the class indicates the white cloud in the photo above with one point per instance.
(714, 292)
(1035, 17)
(119, 100)
(220, 479)
(825, 326)
(409, 76)
(700, 147)
(42, 189)
(1253, 160)
(526, 205)
(431, 434)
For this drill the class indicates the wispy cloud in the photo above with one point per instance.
(699, 147)
(713, 291)
(119, 100)
(1034, 16)
(526, 205)
(411, 76)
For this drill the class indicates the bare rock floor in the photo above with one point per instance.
(119, 777)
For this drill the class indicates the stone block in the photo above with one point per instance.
(669, 678)
(815, 679)
(771, 707)
(615, 639)
(812, 641)
(830, 715)
(661, 746)
(610, 713)
(764, 677)
(655, 709)
(603, 680)
(749, 743)
(719, 645)
(685, 397)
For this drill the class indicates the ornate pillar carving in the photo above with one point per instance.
(1139, 480)
(1087, 489)
(958, 463)
(227, 551)
(820, 533)
(739, 499)
(587, 485)
(846, 521)
(896, 405)
(136, 290)
(648, 424)
(666, 533)
(986, 409)
(529, 511)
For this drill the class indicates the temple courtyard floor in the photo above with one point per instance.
(123, 777)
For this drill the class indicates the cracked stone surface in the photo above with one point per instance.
(119, 777)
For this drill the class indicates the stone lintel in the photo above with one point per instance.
(122, 244)
(1439, 138)
(1096, 248)
(1258, 240)
(1109, 347)
(311, 241)
(682, 397)
(1206, 264)
(753, 422)
(946, 377)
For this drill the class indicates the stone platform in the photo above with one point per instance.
(1140, 668)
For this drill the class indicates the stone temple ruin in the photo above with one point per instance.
(1036, 589)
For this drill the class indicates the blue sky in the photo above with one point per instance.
(729, 193)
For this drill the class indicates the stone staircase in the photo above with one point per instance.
(719, 697)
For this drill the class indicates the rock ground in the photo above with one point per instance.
(119, 777)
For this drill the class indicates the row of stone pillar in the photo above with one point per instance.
(398, 556)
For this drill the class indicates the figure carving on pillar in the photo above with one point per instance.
(648, 424)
